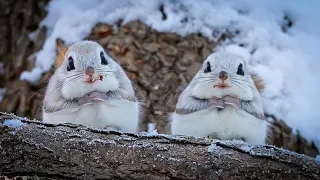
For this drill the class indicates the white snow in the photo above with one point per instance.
(152, 133)
(318, 159)
(151, 127)
(212, 148)
(288, 62)
(13, 123)
(33, 76)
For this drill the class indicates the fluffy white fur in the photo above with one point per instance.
(64, 86)
(229, 123)
(119, 114)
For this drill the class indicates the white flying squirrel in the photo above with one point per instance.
(222, 101)
(90, 88)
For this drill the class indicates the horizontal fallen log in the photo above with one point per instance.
(47, 151)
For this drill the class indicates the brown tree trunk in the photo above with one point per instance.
(47, 151)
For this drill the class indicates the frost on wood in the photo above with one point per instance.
(318, 159)
(32, 148)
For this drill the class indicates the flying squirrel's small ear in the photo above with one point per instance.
(258, 82)
(61, 50)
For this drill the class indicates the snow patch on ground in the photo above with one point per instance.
(242, 145)
(151, 127)
(152, 133)
(318, 159)
(13, 123)
(287, 61)
(212, 148)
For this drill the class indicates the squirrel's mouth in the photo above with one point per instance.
(91, 79)
(221, 86)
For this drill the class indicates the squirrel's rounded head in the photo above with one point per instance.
(224, 74)
(85, 67)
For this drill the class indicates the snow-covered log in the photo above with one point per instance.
(35, 149)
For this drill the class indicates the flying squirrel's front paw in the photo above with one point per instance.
(92, 97)
(215, 102)
(85, 100)
(232, 101)
(98, 96)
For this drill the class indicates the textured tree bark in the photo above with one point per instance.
(46, 151)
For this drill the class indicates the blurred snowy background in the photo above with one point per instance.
(280, 39)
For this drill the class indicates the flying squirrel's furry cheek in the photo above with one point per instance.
(208, 91)
(239, 93)
(80, 88)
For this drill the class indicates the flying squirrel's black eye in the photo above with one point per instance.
(70, 64)
(208, 68)
(240, 70)
(103, 59)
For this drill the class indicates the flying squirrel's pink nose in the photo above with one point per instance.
(89, 71)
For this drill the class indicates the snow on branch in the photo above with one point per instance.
(36, 149)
